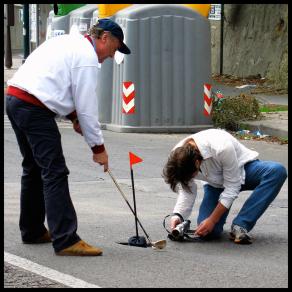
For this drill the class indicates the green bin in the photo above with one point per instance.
(64, 9)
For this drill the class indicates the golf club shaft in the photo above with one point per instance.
(109, 172)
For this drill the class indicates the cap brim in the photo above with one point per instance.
(124, 49)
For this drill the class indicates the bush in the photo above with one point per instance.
(229, 112)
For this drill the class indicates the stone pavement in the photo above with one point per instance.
(20, 278)
(272, 124)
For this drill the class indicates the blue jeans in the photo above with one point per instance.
(265, 178)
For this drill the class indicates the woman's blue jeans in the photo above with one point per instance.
(265, 178)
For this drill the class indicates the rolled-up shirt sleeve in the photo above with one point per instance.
(231, 175)
(185, 201)
(84, 91)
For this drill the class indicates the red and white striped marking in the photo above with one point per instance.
(128, 97)
(207, 99)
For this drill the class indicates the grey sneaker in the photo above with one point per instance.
(239, 235)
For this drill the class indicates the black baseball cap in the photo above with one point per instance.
(109, 25)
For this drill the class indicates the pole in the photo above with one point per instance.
(134, 199)
(221, 39)
(25, 32)
(37, 26)
(8, 53)
(9, 11)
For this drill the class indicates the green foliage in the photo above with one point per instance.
(229, 112)
(267, 108)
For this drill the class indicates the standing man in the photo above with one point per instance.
(227, 167)
(58, 78)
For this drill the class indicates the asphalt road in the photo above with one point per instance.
(104, 219)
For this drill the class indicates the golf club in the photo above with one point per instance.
(160, 244)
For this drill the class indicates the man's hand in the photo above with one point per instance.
(174, 221)
(205, 227)
(102, 159)
(76, 127)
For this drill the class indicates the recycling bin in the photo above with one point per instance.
(169, 68)
(94, 17)
(59, 25)
(64, 9)
(59, 19)
(108, 10)
(49, 25)
(80, 19)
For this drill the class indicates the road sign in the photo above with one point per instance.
(215, 12)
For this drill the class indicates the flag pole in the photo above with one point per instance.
(134, 199)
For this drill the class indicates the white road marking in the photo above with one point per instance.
(48, 273)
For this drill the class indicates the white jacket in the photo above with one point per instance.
(62, 73)
(222, 167)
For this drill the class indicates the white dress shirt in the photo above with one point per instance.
(222, 167)
(62, 73)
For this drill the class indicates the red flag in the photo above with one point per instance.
(134, 159)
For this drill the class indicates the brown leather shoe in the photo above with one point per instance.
(80, 248)
(43, 239)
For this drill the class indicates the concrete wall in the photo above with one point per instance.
(255, 42)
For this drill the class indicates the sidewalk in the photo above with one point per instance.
(16, 63)
(273, 124)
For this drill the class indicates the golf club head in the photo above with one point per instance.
(160, 244)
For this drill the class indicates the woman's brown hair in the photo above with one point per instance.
(181, 166)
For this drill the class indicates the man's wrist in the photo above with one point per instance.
(73, 117)
(98, 149)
